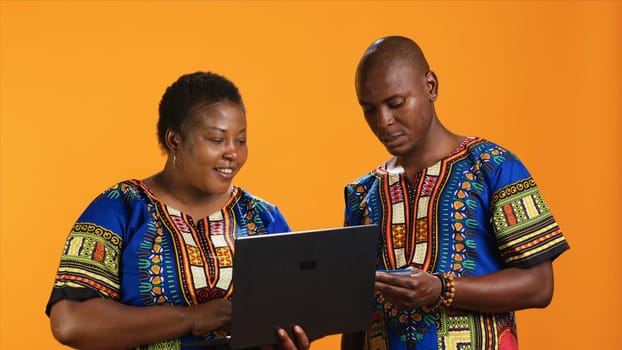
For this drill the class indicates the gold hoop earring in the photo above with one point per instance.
(174, 158)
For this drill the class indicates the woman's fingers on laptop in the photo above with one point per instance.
(301, 338)
(301, 341)
(214, 314)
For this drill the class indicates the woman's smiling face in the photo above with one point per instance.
(213, 147)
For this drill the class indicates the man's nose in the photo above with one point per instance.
(385, 118)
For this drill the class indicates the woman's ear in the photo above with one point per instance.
(173, 140)
(431, 83)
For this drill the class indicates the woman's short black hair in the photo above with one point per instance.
(189, 91)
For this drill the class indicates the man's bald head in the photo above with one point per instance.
(389, 50)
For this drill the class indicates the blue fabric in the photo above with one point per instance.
(130, 247)
(473, 213)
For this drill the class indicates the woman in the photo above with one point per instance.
(149, 263)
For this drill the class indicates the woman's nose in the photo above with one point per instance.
(230, 151)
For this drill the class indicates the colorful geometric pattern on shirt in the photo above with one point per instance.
(153, 288)
(174, 344)
(201, 276)
(408, 225)
(90, 258)
(149, 263)
(409, 242)
(462, 228)
(204, 251)
(376, 335)
(455, 216)
(253, 224)
(127, 191)
(454, 332)
(523, 222)
(409, 325)
(409, 235)
(416, 245)
(462, 330)
(461, 220)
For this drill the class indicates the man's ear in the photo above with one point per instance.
(431, 84)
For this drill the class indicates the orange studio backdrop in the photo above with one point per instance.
(80, 83)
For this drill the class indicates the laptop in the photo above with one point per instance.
(322, 280)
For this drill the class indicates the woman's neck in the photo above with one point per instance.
(179, 195)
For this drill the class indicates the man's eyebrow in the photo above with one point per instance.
(390, 98)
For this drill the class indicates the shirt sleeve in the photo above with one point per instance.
(277, 222)
(525, 229)
(89, 263)
(347, 212)
(358, 196)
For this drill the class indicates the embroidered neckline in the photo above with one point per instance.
(147, 190)
(392, 167)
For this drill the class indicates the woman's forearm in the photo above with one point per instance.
(107, 324)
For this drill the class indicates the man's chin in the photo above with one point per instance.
(397, 151)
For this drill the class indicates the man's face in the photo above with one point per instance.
(397, 103)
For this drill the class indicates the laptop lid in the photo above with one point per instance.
(322, 280)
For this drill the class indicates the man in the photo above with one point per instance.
(461, 214)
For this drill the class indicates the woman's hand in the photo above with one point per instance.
(209, 316)
(408, 290)
(300, 341)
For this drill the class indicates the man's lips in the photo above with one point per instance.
(391, 140)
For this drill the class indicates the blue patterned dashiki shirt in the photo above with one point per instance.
(473, 213)
(130, 247)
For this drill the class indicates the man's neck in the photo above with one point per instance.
(436, 146)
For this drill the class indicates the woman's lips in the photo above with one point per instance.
(225, 172)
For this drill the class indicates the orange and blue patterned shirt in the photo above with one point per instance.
(130, 247)
(472, 213)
